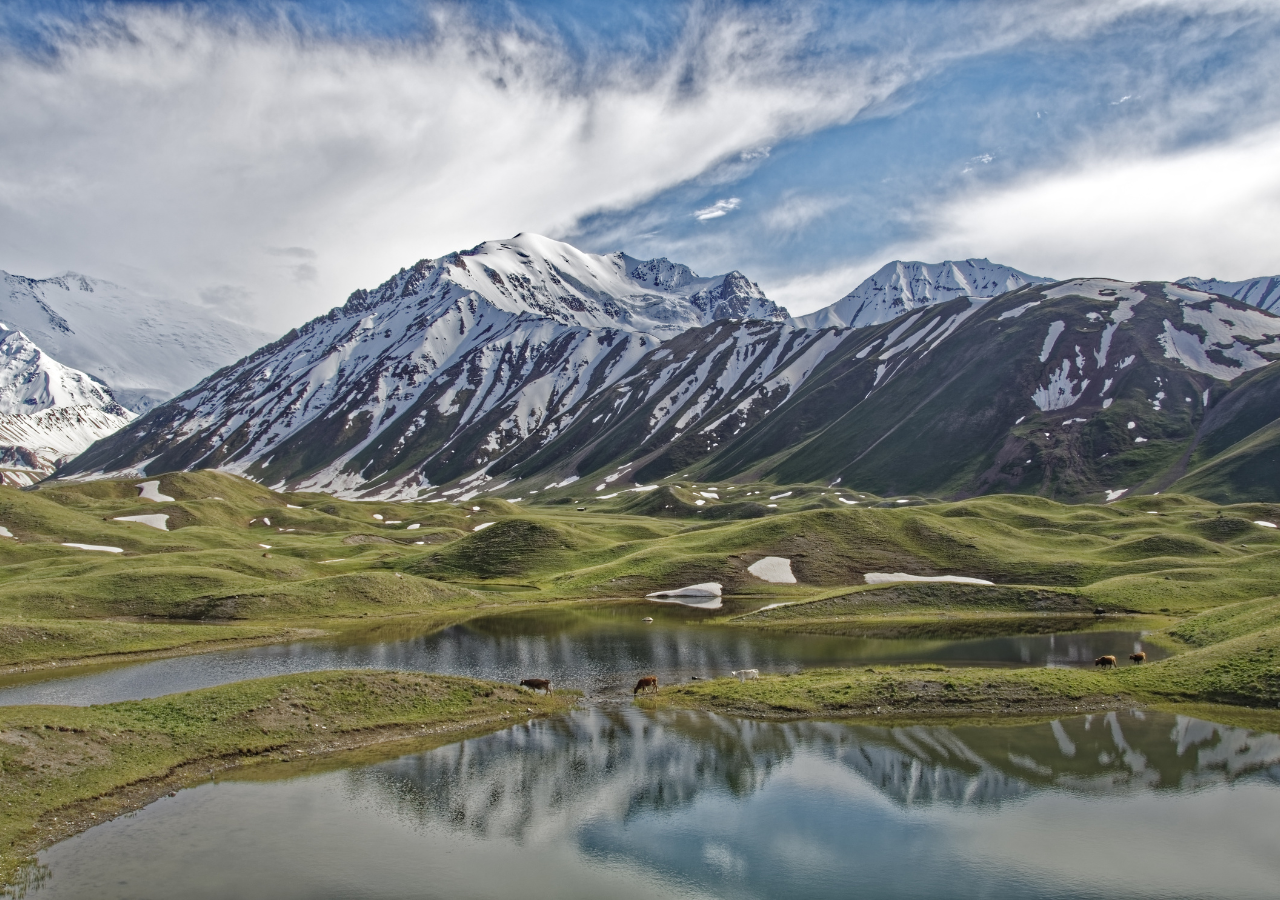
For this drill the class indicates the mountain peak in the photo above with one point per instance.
(901, 286)
(31, 380)
(533, 275)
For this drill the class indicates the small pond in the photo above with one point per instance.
(600, 649)
(613, 801)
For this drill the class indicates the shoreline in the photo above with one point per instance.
(196, 648)
(902, 696)
(144, 749)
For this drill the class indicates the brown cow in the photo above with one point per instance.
(647, 683)
(1107, 662)
(1138, 657)
(537, 684)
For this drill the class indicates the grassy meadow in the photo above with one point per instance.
(241, 564)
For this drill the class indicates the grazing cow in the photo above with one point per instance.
(537, 684)
(1106, 662)
(745, 674)
(647, 683)
(1138, 657)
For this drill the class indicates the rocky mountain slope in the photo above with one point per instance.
(900, 287)
(34, 445)
(394, 390)
(1263, 293)
(1089, 388)
(146, 349)
(526, 364)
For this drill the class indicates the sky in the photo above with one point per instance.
(265, 159)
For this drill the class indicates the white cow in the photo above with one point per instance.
(745, 674)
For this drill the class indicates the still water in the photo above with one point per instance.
(600, 650)
(612, 801)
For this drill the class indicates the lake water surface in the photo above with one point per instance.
(612, 801)
(598, 649)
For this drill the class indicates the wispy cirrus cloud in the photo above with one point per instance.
(717, 209)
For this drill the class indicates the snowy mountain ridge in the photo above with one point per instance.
(31, 380)
(145, 348)
(1263, 292)
(529, 359)
(900, 287)
(503, 338)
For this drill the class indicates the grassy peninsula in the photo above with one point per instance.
(64, 769)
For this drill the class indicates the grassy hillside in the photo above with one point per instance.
(237, 553)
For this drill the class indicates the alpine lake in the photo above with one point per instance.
(614, 799)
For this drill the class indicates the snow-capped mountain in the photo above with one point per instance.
(31, 380)
(525, 360)
(49, 413)
(1263, 293)
(447, 366)
(899, 287)
(146, 349)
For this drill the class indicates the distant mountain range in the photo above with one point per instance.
(146, 349)
(1263, 293)
(79, 357)
(527, 364)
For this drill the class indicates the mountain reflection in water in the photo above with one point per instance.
(618, 800)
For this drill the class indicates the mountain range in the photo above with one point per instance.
(527, 364)
(147, 349)
(80, 357)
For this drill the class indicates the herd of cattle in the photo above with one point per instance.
(649, 683)
(1109, 662)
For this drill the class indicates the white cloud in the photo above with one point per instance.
(717, 209)
(189, 156)
(1212, 212)
(796, 211)
(169, 152)
(812, 291)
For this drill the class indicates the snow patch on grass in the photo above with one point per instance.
(1055, 331)
(159, 520)
(773, 569)
(1016, 311)
(886, 578)
(150, 490)
(700, 596)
